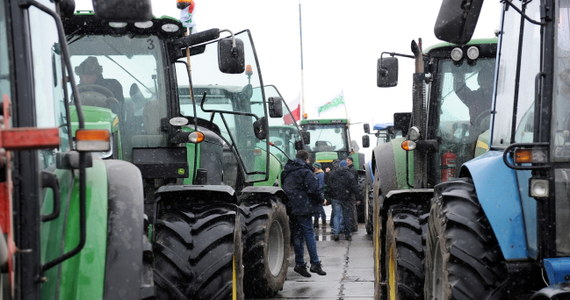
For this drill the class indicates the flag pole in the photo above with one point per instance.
(302, 74)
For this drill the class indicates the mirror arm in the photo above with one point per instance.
(397, 54)
(509, 3)
(232, 36)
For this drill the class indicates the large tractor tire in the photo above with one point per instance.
(404, 254)
(266, 250)
(369, 208)
(463, 259)
(197, 251)
(360, 210)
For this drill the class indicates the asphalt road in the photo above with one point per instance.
(349, 267)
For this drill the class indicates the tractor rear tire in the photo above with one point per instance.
(404, 253)
(197, 251)
(369, 210)
(362, 187)
(463, 259)
(266, 251)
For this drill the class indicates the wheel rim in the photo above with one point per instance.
(437, 272)
(392, 272)
(275, 250)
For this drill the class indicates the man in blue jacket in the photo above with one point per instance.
(302, 189)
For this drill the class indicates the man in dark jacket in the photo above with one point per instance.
(344, 187)
(302, 189)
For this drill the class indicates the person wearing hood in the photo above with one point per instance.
(302, 189)
(343, 188)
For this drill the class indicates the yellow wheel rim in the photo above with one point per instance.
(392, 288)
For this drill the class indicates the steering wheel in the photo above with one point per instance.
(97, 95)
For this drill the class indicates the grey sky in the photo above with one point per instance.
(341, 42)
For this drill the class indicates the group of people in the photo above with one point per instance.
(307, 186)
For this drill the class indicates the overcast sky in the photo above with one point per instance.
(342, 41)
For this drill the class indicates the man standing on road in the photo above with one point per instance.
(302, 189)
(343, 187)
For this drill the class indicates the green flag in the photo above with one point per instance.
(334, 103)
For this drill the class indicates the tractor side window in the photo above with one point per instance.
(48, 90)
(5, 90)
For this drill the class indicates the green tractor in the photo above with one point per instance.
(195, 121)
(384, 133)
(331, 142)
(452, 89)
(72, 222)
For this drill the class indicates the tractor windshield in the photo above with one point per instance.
(328, 137)
(464, 94)
(228, 101)
(122, 73)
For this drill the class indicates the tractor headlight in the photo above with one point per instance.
(456, 54)
(473, 53)
(414, 133)
(538, 188)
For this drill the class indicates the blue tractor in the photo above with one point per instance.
(500, 231)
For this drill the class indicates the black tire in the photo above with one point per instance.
(147, 276)
(266, 250)
(369, 209)
(463, 258)
(196, 251)
(404, 253)
(363, 187)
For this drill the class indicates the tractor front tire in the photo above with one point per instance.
(404, 253)
(369, 209)
(463, 259)
(197, 251)
(266, 251)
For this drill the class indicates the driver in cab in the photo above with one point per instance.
(91, 73)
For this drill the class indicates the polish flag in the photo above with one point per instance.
(295, 114)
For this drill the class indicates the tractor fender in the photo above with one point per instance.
(182, 194)
(124, 255)
(389, 166)
(421, 197)
(260, 193)
(497, 189)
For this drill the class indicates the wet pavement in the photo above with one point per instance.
(349, 266)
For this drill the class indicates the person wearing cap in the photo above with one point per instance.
(90, 72)
(302, 189)
(343, 187)
(320, 212)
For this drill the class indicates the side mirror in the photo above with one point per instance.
(365, 141)
(402, 121)
(260, 128)
(456, 20)
(387, 72)
(366, 128)
(123, 10)
(306, 137)
(275, 107)
(231, 60)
